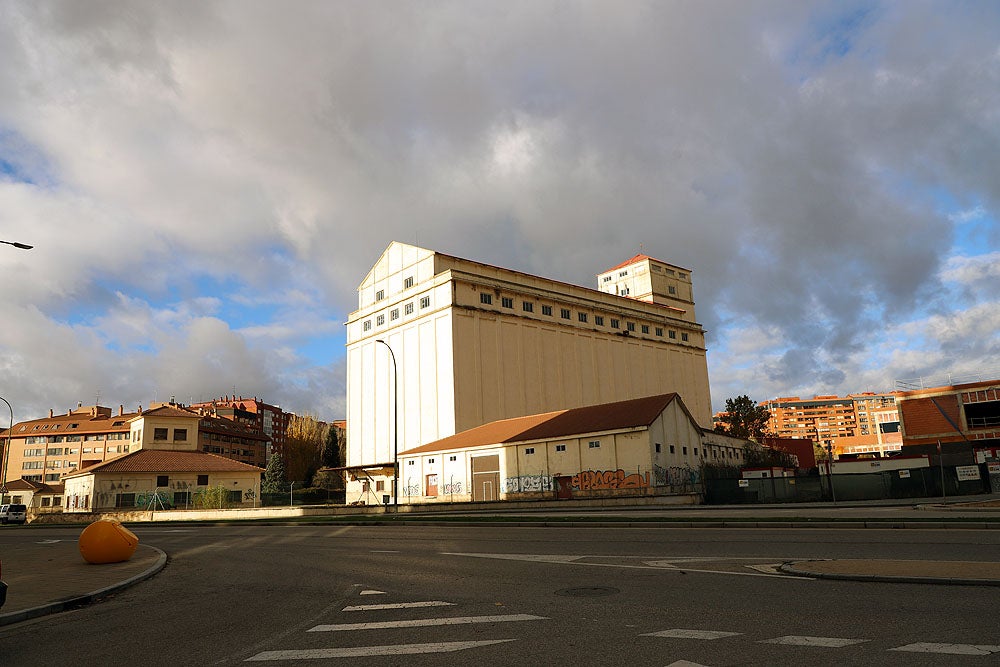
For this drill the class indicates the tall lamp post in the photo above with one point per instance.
(6, 451)
(395, 428)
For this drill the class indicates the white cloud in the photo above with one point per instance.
(271, 152)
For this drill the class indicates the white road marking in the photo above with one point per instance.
(575, 560)
(426, 622)
(372, 593)
(366, 651)
(767, 569)
(825, 642)
(950, 649)
(398, 605)
(48, 541)
(686, 663)
(681, 633)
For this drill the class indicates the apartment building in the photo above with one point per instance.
(967, 413)
(466, 343)
(863, 423)
(268, 419)
(44, 450)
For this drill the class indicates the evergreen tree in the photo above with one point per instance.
(274, 475)
(331, 448)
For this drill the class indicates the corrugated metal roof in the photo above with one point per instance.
(562, 423)
(166, 461)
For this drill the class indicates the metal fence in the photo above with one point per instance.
(884, 485)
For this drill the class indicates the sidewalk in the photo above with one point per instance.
(49, 576)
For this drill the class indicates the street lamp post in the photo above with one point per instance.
(6, 451)
(22, 246)
(395, 428)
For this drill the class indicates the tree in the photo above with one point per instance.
(759, 456)
(304, 442)
(331, 457)
(743, 418)
(274, 475)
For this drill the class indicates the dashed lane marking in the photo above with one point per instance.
(825, 642)
(950, 649)
(427, 622)
(682, 633)
(368, 651)
(372, 593)
(399, 605)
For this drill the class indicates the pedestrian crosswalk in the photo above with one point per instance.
(396, 624)
(385, 618)
(828, 642)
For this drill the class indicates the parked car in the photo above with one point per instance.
(13, 513)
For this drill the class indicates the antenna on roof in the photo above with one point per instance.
(640, 248)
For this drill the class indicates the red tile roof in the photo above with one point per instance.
(561, 423)
(166, 461)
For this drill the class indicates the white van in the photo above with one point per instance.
(13, 514)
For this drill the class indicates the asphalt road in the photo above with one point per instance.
(495, 595)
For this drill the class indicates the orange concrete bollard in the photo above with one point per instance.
(107, 541)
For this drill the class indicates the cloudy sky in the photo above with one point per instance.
(206, 183)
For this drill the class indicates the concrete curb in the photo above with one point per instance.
(789, 568)
(86, 598)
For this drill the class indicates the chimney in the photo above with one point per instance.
(139, 410)
(50, 413)
(121, 410)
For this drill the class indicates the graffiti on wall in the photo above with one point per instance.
(452, 487)
(676, 476)
(609, 479)
(411, 489)
(527, 484)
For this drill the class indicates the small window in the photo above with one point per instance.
(180, 435)
(671, 289)
(630, 326)
(671, 334)
(379, 295)
(485, 298)
(162, 480)
(547, 310)
(409, 463)
(582, 317)
(425, 302)
(529, 450)
(380, 485)
(615, 324)
(658, 447)
(202, 480)
(408, 309)
(645, 328)
(672, 451)
(430, 460)
(235, 496)
(684, 337)
(394, 314)
(380, 320)
(507, 302)
(408, 282)
(684, 450)
(564, 313)
(599, 320)
(560, 448)
(159, 434)
(527, 306)
(696, 451)
(659, 331)
(452, 458)
(623, 291)
(594, 444)
(682, 276)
